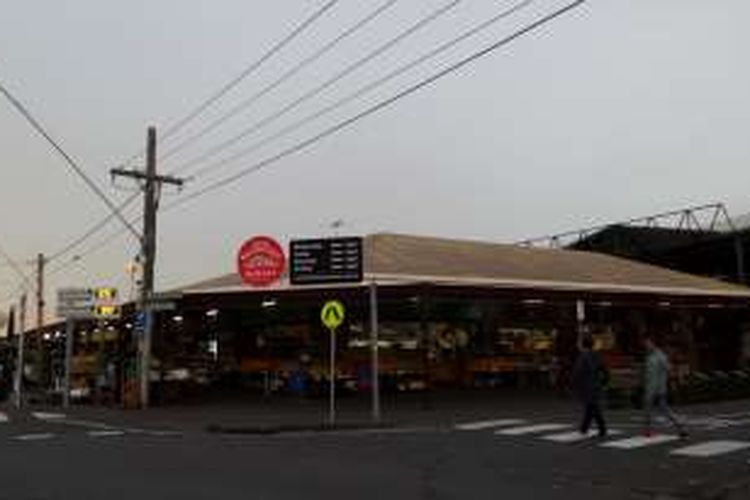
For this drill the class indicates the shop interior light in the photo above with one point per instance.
(58, 334)
(177, 318)
(715, 306)
(128, 325)
(269, 303)
(212, 313)
(533, 302)
(605, 303)
(47, 336)
(665, 303)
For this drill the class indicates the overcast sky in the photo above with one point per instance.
(618, 109)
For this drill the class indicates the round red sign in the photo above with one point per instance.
(261, 261)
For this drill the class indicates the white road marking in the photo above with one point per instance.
(41, 415)
(530, 429)
(488, 424)
(4, 418)
(105, 433)
(641, 441)
(34, 437)
(575, 436)
(711, 448)
(150, 432)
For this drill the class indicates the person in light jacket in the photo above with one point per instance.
(656, 388)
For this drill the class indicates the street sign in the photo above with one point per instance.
(328, 260)
(332, 314)
(88, 303)
(261, 261)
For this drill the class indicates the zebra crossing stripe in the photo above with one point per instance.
(34, 437)
(105, 433)
(711, 448)
(489, 424)
(41, 415)
(640, 441)
(531, 429)
(575, 436)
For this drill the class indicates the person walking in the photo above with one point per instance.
(589, 379)
(656, 388)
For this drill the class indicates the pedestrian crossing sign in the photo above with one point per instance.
(332, 315)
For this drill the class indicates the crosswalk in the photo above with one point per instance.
(616, 439)
(51, 426)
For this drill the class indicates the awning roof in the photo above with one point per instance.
(402, 259)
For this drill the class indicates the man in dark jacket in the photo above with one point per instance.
(589, 379)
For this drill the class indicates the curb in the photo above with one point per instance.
(266, 430)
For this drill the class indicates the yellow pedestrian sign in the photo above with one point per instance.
(333, 314)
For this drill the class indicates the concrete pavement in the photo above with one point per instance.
(497, 449)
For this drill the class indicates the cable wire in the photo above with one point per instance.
(174, 128)
(94, 229)
(377, 107)
(364, 90)
(178, 125)
(16, 267)
(68, 159)
(346, 123)
(422, 23)
(245, 104)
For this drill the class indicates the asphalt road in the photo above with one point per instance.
(71, 458)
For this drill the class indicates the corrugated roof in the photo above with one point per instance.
(405, 258)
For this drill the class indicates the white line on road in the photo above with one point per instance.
(640, 441)
(711, 448)
(575, 436)
(105, 433)
(42, 415)
(34, 437)
(531, 429)
(488, 424)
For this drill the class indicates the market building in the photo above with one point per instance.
(450, 315)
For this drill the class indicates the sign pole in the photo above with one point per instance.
(69, 332)
(375, 350)
(332, 316)
(332, 381)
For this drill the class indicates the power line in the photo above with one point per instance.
(68, 159)
(377, 107)
(93, 229)
(174, 128)
(367, 88)
(16, 267)
(91, 250)
(346, 123)
(178, 125)
(422, 23)
(282, 79)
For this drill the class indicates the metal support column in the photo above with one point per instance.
(375, 352)
(69, 333)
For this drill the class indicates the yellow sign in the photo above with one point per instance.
(332, 314)
(107, 311)
(105, 293)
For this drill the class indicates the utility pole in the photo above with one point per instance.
(38, 338)
(18, 382)
(40, 263)
(151, 189)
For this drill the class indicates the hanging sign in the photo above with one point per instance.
(261, 261)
